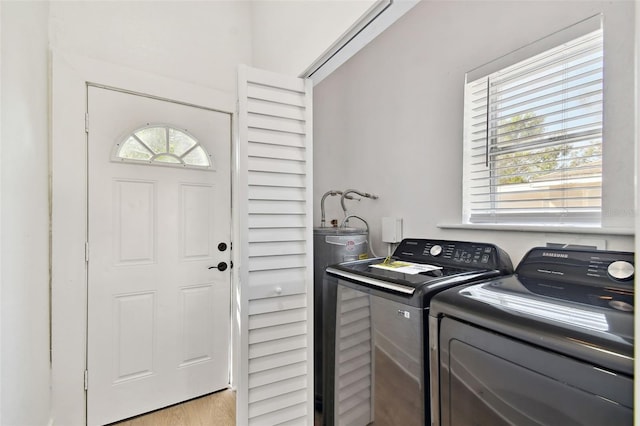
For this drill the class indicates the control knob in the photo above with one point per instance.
(621, 270)
(436, 250)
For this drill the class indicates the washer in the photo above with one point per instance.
(374, 333)
(550, 345)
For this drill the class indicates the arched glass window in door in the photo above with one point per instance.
(162, 145)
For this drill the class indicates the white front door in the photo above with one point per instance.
(158, 313)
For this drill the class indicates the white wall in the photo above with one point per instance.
(198, 42)
(389, 121)
(24, 228)
(289, 35)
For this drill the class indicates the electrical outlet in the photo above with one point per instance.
(391, 230)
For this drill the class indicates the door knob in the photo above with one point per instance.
(222, 266)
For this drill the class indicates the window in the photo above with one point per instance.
(162, 145)
(533, 138)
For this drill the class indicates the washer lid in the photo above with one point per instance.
(364, 273)
(454, 262)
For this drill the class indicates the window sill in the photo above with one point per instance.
(564, 229)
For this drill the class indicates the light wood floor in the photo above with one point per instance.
(216, 409)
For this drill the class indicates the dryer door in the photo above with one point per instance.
(490, 379)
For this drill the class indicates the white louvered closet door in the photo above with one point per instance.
(273, 244)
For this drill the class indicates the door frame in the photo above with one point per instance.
(69, 210)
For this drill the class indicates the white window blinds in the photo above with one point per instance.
(533, 138)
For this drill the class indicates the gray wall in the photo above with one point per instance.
(389, 121)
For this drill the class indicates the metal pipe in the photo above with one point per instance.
(324, 196)
(355, 191)
(346, 193)
(344, 223)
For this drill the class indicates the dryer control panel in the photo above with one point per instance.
(587, 267)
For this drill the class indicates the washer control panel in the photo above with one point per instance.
(453, 253)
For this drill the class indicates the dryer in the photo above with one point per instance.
(550, 345)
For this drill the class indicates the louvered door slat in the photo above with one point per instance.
(263, 306)
(273, 361)
(274, 375)
(278, 332)
(275, 138)
(267, 150)
(285, 386)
